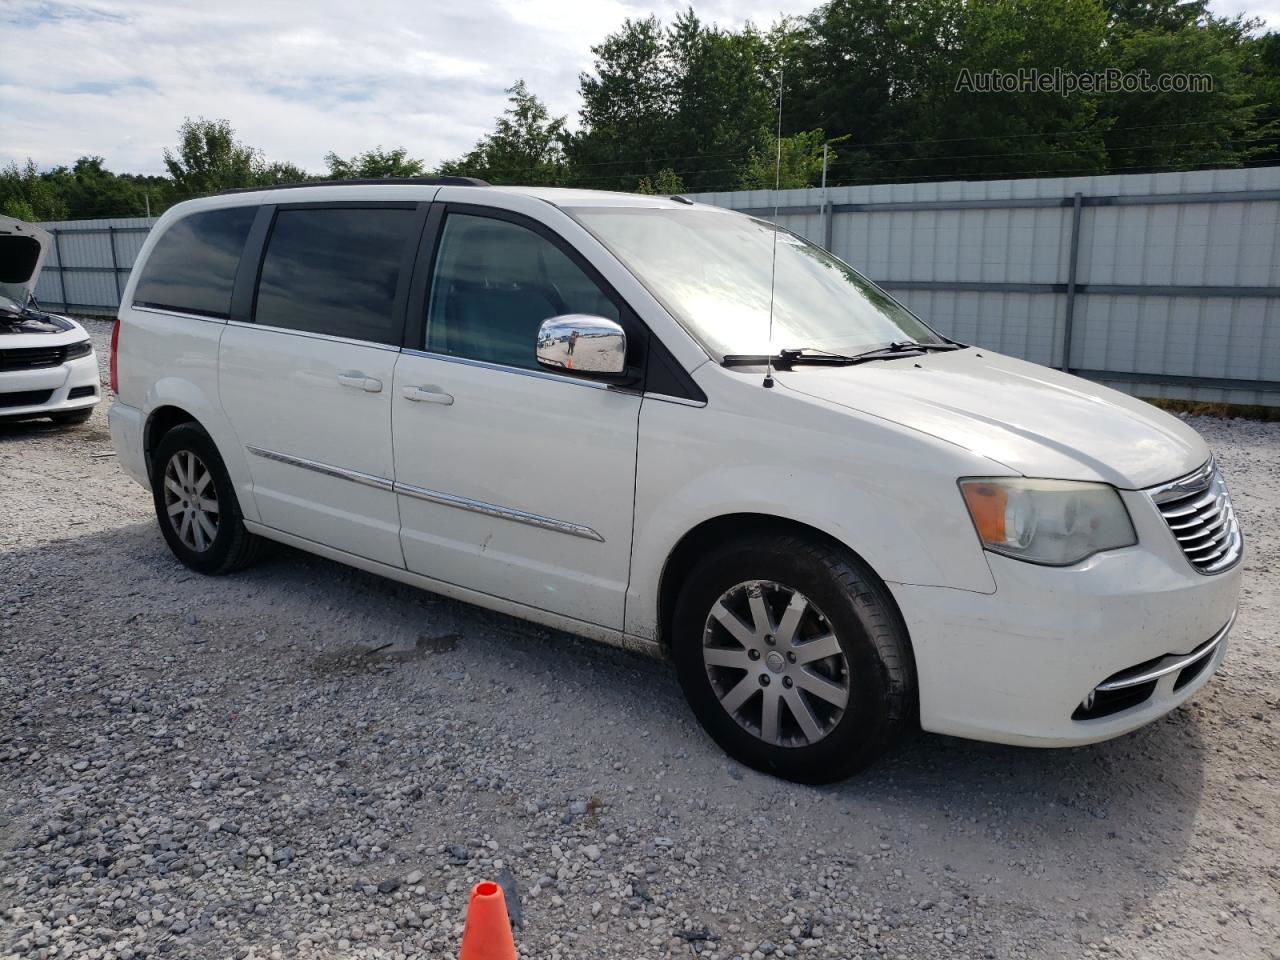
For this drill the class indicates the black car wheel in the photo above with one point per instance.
(793, 657)
(196, 504)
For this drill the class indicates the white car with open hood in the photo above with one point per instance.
(47, 363)
(670, 427)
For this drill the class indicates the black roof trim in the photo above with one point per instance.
(383, 181)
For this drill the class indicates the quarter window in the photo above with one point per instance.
(192, 267)
(494, 283)
(335, 271)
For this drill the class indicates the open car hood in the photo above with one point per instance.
(23, 248)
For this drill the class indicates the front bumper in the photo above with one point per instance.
(70, 386)
(1018, 666)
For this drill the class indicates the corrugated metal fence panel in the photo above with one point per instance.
(92, 280)
(1019, 232)
(1168, 231)
(1221, 244)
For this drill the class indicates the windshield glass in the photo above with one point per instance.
(712, 269)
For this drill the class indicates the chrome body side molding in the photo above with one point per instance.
(432, 496)
(493, 510)
(341, 473)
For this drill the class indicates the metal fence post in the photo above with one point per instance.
(115, 263)
(1068, 318)
(62, 274)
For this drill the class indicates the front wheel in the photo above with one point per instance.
(793, 657)
(196, 504)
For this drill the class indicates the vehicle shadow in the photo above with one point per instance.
(1104, 823)
(20, 430)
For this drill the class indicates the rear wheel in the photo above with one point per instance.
(793, 657)
(196, 504)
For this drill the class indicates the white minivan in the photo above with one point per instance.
(674, 428)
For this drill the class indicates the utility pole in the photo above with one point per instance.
(826, 207)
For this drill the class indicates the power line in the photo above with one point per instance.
(636, 174)
(1032, 173)
(901, 143)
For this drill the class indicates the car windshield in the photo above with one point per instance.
(712, 269)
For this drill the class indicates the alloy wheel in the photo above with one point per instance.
(191, 500)
(775, 663)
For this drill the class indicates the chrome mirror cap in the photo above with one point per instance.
(583, 344)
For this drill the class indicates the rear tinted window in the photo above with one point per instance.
(335, 271)
(193, 265)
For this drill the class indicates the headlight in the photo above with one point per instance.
(1056, 522)
(77, 350)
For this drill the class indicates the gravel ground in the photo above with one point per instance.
(305, 760)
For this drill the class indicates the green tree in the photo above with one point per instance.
(800, 166)
(961, 130)
(1166, 15)
(691, 97)
(625, 103)
(722, 96)
(867, 70)
(91, 191)
(26, 194)
(280, 171)
(525, 147)
(209, 158)
(1184, 130)
(19, 208)
(1261, 72)
(374, 164)
(666, 182)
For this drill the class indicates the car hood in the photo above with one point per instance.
(23, 248)
(1033, 420)
(35, 329)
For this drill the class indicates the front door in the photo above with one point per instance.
(308, 384)
(512, 481)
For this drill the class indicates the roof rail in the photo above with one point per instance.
(381, 181)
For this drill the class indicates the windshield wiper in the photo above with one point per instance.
(785, 359)
(791, 356)
(901, 348)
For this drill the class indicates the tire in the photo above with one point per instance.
(74, 418)
(185, 455)
(843, 608)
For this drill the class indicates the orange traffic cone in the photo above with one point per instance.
(487, 935)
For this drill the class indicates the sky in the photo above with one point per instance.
(115, 79)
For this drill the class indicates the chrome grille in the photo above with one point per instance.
(1198, 510)
(31, 358)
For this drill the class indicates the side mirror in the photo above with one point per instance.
(583, 344)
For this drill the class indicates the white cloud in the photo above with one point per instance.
(116, 77)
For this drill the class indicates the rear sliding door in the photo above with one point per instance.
(307, 383)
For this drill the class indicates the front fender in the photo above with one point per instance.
(887, 493)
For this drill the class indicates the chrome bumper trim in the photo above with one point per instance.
(1172, 663)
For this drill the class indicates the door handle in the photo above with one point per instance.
(428, 394)
(358, 381)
